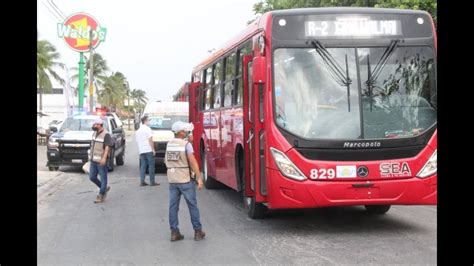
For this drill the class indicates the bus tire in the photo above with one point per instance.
(239, 168)
(254, 209)
(377, 209)
(209, 182)
(53, 168)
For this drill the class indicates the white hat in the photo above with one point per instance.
(182, 126)
(98, 121)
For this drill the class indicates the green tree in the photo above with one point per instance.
(139, 98)
(427, 5)
(430, 6)
(46, 56)
(113, 92)
(99, 70)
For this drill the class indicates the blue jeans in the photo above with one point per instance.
(147, 159)
(96, 168)
(188, 190)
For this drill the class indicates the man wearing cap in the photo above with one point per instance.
(100, 150)
(180, 161)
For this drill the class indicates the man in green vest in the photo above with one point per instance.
(100, 150)
(180, 160)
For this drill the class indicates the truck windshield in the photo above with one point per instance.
(165, 121)
(80, 124)
(399, 101)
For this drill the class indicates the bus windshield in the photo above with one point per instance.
(165, 121)
(376, 95)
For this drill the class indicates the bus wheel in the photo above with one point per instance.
(53, 168)
(254, 209)
(377, 209)
(209, 182)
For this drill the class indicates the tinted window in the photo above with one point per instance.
(230, 67)
(218, 73)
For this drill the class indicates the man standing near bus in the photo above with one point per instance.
(146, 149)
(180, 161)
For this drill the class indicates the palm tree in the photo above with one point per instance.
(99, 70)
(46, 56)
(114, 91)
(139, 98)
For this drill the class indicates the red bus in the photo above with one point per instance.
(183, 93)
(321, 107)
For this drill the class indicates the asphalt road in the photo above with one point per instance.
(131, 227)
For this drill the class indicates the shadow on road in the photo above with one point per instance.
(351, 219)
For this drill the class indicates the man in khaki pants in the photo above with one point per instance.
(180, 160)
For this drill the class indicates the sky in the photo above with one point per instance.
(155, 44)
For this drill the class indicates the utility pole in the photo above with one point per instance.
(91, 75)
(128, 95)
(81, 81)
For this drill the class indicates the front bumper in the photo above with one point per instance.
(160, 148)
(286, 193)
(55, 159)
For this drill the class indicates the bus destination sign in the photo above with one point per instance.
(352, 27)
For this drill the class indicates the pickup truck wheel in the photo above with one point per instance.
(119, 160)
(53, 168)
(110, 162)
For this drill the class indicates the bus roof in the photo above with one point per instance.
(249, 31)
(261, 23)
(344, 10)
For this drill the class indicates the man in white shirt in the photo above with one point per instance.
(146, 149)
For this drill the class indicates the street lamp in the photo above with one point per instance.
(127, 85)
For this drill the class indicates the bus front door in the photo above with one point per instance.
(252, 129)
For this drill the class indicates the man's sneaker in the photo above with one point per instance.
(176, 235)
(199, 235)
(99, 199)
(144, 184)
(155, 184)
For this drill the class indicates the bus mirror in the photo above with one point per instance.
(258, 69)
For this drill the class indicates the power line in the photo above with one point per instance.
(56, 9)
(53, 13)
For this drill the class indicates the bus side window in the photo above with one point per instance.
(229, 80)
(217, 91)
(246, 49)
(202, 92)
(207, 89)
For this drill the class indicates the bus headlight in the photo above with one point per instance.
(286, 167)
(431, 166)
